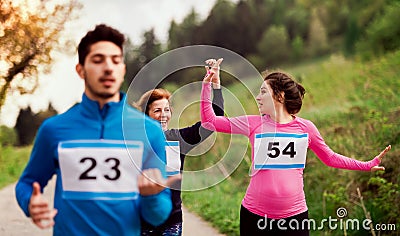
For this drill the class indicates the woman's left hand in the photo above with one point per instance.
(380, 156)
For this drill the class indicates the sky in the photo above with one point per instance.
(62, 86)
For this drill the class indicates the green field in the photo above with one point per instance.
(12, 162)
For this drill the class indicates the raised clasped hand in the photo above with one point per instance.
(213, 69)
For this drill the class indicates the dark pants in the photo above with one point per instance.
(169, 230)
(252, 225)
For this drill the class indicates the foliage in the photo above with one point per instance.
(138, 56)
(12, 162)
(268, 32)
(383, 35)
(274, 45)
(29, 31)
(28, 123)
(8, 136)
(317, 35)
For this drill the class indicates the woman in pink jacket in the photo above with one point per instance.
(275, 203)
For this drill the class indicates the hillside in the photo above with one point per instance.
(356, 106)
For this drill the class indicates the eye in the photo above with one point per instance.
(97, 59)
(117, 59)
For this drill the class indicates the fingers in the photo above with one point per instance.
(39, 209)
(218, 62)
(380, 156)
(208, 77)
(150, 182)
(214, 63)
(36, 189)
(377, 168)
(383, 153)
(45, 220)
(173, 181)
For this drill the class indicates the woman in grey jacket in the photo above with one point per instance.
(156, 104)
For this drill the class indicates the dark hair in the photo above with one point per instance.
(102, 32)
(149, 97)
(286, 90)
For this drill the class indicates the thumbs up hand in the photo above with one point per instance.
(39, 210)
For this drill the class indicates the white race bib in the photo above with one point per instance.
(280, 150)
(173, 157)
(100, 169)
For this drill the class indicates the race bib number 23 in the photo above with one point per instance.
(106, 169)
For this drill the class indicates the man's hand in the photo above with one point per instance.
(151, 182)
(39, 210)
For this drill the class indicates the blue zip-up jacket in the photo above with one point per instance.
(86, 121)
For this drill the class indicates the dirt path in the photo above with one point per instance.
(14, 223)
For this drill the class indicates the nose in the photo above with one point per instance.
(108, 65)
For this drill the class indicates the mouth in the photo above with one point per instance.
(163, 122)
(107, 81)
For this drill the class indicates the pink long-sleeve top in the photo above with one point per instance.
(276, 193)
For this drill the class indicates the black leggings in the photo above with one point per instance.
(253, 225)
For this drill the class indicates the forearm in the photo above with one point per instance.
(23, 192)
(155, 209)
(342, 162)
(206, 112)
(218, 102)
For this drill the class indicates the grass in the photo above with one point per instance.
(12, 162)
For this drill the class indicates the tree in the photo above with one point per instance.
(183, 34)
(274, 45)
(382, 35)
(28, 123)
(29, 31)
(317, 36)
(136, 57)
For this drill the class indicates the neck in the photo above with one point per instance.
(103, 100)
(281, 115)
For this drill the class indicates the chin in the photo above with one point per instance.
(164, 127)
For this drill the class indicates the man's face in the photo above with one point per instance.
(103, 72)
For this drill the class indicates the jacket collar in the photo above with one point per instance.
(91, 108)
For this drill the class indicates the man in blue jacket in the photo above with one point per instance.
(108, 157)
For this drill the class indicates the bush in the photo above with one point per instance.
(8, 136)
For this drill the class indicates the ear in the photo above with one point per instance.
(282, 97)
(79, 69)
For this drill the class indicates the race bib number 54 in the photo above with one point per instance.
(280, 150)
(106, 169)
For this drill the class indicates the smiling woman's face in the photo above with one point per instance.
(161, 111)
